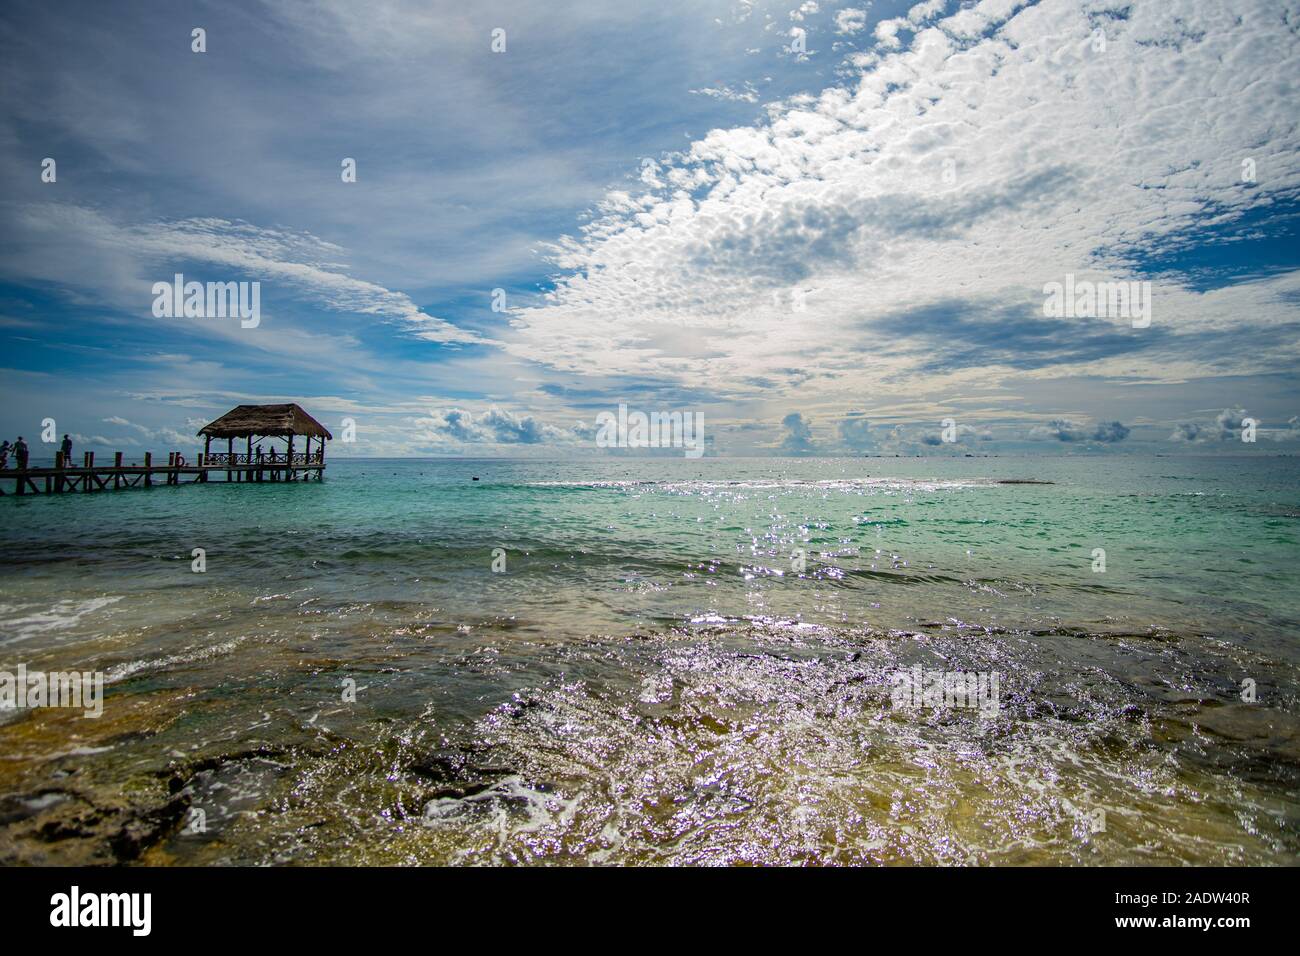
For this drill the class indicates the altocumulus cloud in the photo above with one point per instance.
(838, 202)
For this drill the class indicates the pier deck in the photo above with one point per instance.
(90, 477)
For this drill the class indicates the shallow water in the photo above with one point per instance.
(652, 678)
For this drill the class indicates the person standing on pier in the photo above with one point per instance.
(66, 448)
(20, 452)
(4, 453)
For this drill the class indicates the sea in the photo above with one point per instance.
(664, 661)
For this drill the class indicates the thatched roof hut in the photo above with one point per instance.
(266, 420)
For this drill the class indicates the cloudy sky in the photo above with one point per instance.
(826, 227)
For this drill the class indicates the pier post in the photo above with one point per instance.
(148, 466)
(230, 455)
(88, 479)
(117, 470)
(59, 464)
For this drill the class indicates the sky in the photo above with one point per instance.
(829, 229)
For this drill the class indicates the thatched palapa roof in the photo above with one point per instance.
(269, 420)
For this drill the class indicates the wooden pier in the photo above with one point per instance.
(91, 477)
(250, 422)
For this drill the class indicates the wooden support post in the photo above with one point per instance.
(230, 455)
(288, 460)
(117, 470)
(148, 466)
(89, 460)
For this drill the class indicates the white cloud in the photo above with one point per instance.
(855, 433)
(1228, 425)
(121, 260)
(1055, 149)
(746, 94)
(1062, 429)
(798, 435)
(887, 32)
(850, 20)
(491, 427)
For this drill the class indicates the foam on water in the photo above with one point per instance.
(771, 744)
(24, 621)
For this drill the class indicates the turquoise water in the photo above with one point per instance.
(655, 676)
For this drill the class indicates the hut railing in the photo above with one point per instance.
(226, 460)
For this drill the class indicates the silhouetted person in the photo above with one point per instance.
(20, 452)
(67, 450)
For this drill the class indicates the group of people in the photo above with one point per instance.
(18, 449)
(20, 452)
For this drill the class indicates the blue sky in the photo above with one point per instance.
(827, 242)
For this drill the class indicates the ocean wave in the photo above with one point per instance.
(824, 484)
(25, 621)
(190, 655)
